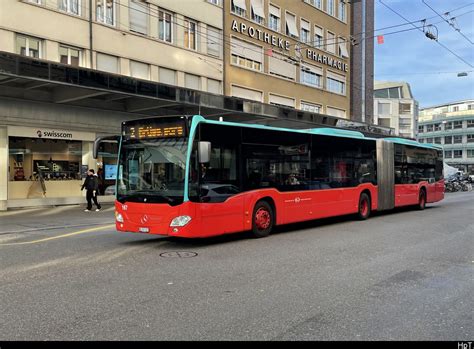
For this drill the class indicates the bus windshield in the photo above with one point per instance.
(152, 170)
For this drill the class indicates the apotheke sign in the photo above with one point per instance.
(284, 44)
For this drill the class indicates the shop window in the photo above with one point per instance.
(39, 167)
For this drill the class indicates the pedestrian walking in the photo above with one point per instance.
(91, 184)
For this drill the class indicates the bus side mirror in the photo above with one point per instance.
(204, 149)
(99, 140)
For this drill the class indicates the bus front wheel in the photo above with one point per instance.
(364, 207)
(422, 200)
(262, 219)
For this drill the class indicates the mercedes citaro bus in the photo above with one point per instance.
(192, 177)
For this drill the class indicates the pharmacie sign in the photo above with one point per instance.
(283, 44)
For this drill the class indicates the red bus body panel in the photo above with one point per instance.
(235, 214)
(408, 194)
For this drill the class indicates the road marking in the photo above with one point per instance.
(60, 236)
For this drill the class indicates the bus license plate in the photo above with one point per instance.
(144, 230)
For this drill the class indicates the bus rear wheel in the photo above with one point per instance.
(262, 219)
(365, 207)
(422, 200)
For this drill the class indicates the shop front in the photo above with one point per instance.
(48, 166)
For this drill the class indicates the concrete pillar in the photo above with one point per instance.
(3, 168)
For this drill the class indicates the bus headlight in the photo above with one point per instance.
(180, 221)
(118, 217)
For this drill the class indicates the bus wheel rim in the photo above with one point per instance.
(262, 219)
(364, 207)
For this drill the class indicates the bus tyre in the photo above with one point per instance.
(262, 219)
(364, 207)
(422, 199)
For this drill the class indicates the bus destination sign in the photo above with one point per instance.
(158, 130)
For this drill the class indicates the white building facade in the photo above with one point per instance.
(394, 106)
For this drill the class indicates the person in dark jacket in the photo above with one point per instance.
(91, 184)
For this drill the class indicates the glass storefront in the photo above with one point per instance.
(44, 168)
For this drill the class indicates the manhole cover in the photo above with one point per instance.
(178, 254)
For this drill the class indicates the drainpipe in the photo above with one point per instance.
(90, 35)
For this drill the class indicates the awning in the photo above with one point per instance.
(257, 7)
(343, 49)
(240, 4)
(291, 24)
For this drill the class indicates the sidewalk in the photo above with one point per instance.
(37, 219)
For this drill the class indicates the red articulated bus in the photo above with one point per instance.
(192, 177)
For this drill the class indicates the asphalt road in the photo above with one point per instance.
(403, 275)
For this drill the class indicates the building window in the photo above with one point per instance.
(405, 108)
(291, 29)
(167, 76)
(105, 11)
(393, 92)
(214, 42)
(457, 124)
(331, 42)
(247, 93)
(258, 15)
(383, 108)
(470, 138)
(448, 126)
(448, 140)
(311, 76)
(437, 140)
(281, 66)
(404, 122)
(470, 106)
(305, 31)
(190, 39)
(342, 48)
(456, 108)
(318, 37)
(312, 108)
(342, 10)
(70, 6)
(139, 17)
(107, 63)
(429, 140)
(420, 129)
(239, 8)
(384, 122)
(214, 86)
(281, 101)
(437, 127)
(448, 154)
(140, 70)
(457, 154)
(470, 123)
(274, 20)
(165, 26)
(330, 5)
(246, 55)
(28, 46)
(429, 128)
(336, 84)
(70, 55)
(457, 139)
(315, 3)
(192, 81)
(339, 113)
(215, 2)
(470, 153)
